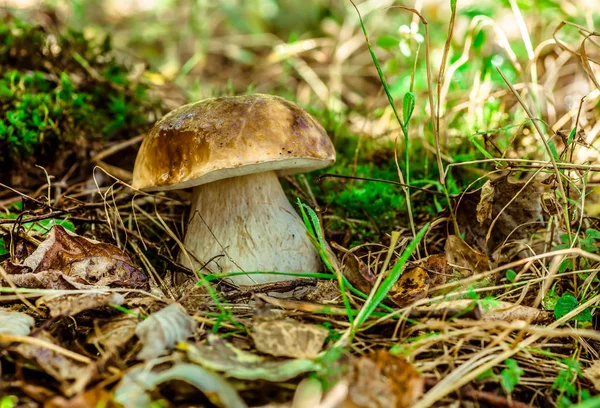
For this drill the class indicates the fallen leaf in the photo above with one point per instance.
(221, 356)
(115, 333)
(70, 305)
(162, 330)
(523, 215)
(504, 311)
(288, 338)
(96, 397)
(52, 363)
(74, 260)
(486, 203)
(410, 287)
(132, 391)
(382, 380)
(407, 384)
(357, 272)
(15, 323)
(368, 387)
(51, 279)
(468, 260)
(415, 282)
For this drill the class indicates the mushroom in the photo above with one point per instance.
(231, 151)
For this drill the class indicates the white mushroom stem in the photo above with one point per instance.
(250, 222)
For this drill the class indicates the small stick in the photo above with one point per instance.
(281, 287)
(9, 338)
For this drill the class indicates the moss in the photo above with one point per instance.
(367, 210)
(60, 88)
(380, 203)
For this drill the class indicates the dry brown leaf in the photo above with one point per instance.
(289, 338)
(415, 283)
(486, 203)
(51, 279)
(115, 333)
(368, 387)
(407, 383)
(70, 305)
(524, 213)
(66, 261)
(382, 380)
(162, 330)
(96, 397)
(504, 311)
(410, 287)
(52, 363)
(358, 273)
(469, 261)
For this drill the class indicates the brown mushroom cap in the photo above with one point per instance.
(230, 136)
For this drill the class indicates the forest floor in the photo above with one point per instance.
(459, 227)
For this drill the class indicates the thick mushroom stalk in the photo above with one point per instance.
(228, 149)
(247, 224)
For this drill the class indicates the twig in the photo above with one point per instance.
(55, 214)
(280, 287)
(9, 338)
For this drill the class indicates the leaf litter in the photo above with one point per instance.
(288, 338)
(61, 367)
(504, 209)
(98, 324)
(15, 323)
(135, 389)
(161, 331)
(221, 356)
(442, 335)
(68, 261)
(70, 305)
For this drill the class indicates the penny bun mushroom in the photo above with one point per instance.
(231, 151)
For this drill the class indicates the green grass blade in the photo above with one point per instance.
(213, 277)
(314, 228)
(389, 281)
(408, 106)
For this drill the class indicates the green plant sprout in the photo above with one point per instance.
(510, 376)
(313, 226)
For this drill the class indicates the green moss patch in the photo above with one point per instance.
(58, 90)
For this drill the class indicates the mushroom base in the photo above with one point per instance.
(247, 224)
